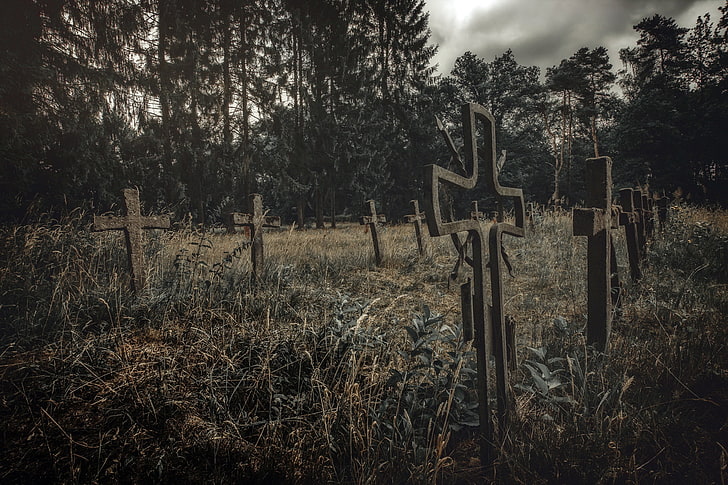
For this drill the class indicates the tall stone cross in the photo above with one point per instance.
(372, 219)
(256, 220)
(594, 221)
(628, 218)
(417, 217)
(484, 316)
(132, 223)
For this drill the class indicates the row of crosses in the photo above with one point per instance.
(132, 223)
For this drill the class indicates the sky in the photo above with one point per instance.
(543, 32)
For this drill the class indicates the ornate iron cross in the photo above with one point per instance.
(485, 317)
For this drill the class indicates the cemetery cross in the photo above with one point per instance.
(628, 218)
(372, 219)
(475, 303)
(132, 223)
(594, 221)
(256, 221)
(417, 217)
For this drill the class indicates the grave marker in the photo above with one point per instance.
(372, 219)
(484, 316)
(475, 214)
(628, 218)
(132, 223)
(255, 222)
(594, 221)
(417, 217)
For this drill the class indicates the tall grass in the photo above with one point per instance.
(332, 369)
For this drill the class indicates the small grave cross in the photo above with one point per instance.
(628, 218)
(485, 318)
(132, 223)
(255, 221)
(595, 223)
(475, 214)
(372, 219)
(417, 217)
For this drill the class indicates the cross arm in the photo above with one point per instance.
(271, 221)
(380, 219)
(589, 221)
(414, 217)
(155, 222)
(110, 223)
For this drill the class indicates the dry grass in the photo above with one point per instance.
(310, 373)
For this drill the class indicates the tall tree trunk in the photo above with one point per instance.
(301, 212)
(245, 108)
(227, 85)
(198, 164)
(570, 139)
(164, 86)
(594, 136)
(333, 206)
(319, 208)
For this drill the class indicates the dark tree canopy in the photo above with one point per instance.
(323, 104)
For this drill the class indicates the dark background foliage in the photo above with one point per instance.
(323, 104)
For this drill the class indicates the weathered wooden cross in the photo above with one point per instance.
(132, 223)
(372, 219)
(255, 221)
(484, 316)
(417, 217)
(628, 218)
(594, 221)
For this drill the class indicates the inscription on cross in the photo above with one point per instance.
(595, 223)
(255, 222)
(372, 219)
(132, 223)
(417, 217)
(473, 294)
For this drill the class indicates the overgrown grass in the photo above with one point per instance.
(331, 369)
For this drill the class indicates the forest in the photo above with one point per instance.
(323, 104)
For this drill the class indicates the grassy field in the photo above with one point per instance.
(333, 370)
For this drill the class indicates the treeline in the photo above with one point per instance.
(322, 104)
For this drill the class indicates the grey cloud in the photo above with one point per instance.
(542, 32)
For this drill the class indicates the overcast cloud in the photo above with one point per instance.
(543, 32)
